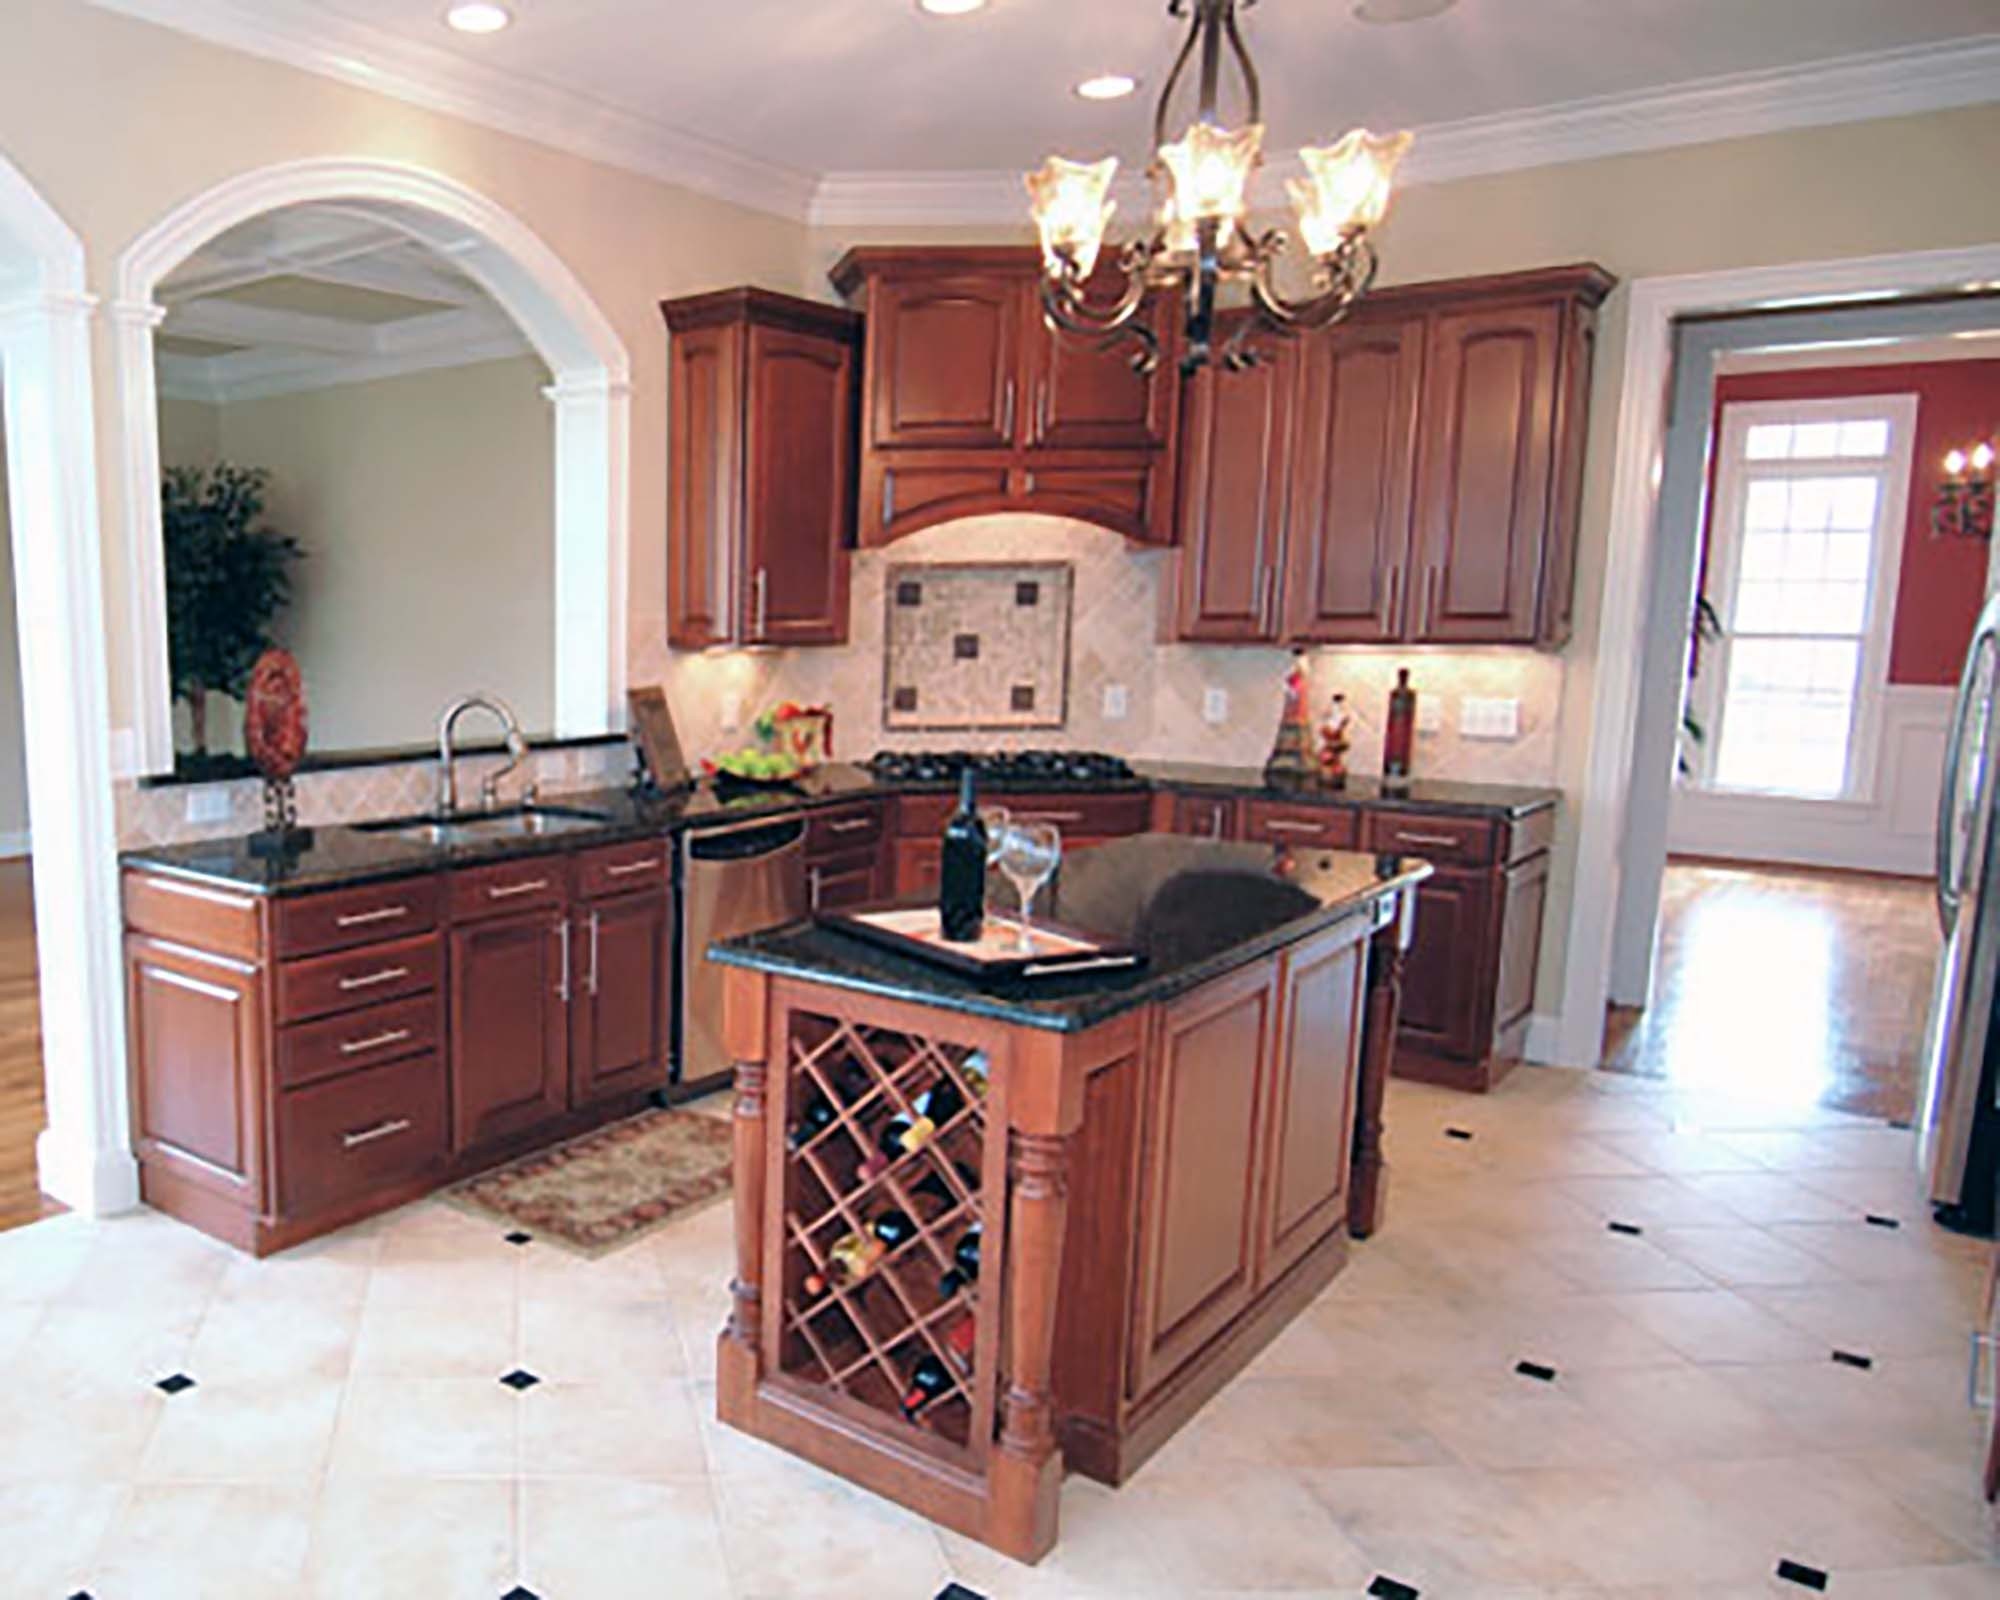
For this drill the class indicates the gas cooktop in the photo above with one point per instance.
(1020, 768)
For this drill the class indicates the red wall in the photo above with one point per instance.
(1943, 580)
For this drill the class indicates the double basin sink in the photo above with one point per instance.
(469, 827)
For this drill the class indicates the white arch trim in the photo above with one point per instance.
(590, 394)
(84, 1156)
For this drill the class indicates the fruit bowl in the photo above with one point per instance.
(756, 769)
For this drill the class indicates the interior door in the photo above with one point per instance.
(509, 1025)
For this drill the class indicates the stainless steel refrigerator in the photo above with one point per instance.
(1960, 1122)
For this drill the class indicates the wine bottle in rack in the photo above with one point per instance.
(851, 1259)
(898, 1137)
(977, 1070)
(938, 1104)
(964, 1270)
(928, 1380)
(894, 1229)
(815, 1119)
(959, 1340)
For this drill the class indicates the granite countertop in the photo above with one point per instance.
(1194, 908)
(340, 854)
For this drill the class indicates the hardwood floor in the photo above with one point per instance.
(1790, 984)
(21, 1111)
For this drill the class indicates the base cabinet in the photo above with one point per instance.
(509, 1027)
(623, 986)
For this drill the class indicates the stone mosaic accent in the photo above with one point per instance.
(977, 647)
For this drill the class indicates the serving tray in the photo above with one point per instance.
(917, 931)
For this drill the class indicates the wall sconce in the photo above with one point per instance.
(1964, 505)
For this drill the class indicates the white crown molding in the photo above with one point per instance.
(1741, 105)
(309, 37)
(267, 374)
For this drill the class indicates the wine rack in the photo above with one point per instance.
(885, 1131)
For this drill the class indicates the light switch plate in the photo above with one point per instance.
(1215, 706)
(1430, 714)
(208, 802)
(1117, 702)
(1482, 717)
(732, 712)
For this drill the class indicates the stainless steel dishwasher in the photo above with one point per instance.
(735, 878)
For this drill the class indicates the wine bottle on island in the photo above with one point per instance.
(1399, 737)
(962, 878)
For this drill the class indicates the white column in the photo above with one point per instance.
(150, 685)
(592, 527)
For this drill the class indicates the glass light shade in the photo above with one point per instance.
(1346, 188)
(1982, 457)
(1208, 179)
(1071, 211)
(1954, 462)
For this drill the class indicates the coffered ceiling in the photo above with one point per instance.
(788, 101)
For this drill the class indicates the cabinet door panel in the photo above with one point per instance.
(1235, 453)
(1353, 475)
(1206, 816)
(904, 491)
(799, 488)
(197, 1049)
(945, 359)
(1198, 1233)
(1085, 398)
(1525, 890)
(1130, 493)
(1447, 962)
(919, 867)
(1484, 478)
(509, 1022)
(704, 466)
(845, 880)
(1312, 1097)
(624, 997)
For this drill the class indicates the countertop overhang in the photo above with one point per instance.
(1194, 908)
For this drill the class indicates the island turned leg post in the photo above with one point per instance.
(1387, 954)
(1027, 1466)
(739, 1349)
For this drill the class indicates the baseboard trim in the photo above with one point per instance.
(1544, 1045)
(14, 845)
(96, 1183)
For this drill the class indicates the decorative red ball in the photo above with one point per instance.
(274, 715)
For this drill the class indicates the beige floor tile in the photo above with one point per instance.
(246, 1432)
(1922, 1583)
(620, 1340)
(1824, 1512)
(1605, 1261)
(1683, 1414)
(623, 1539)
(794, 1536)
(1902, 1256)
(641, 1428)
(1652, 1201)
(1836, 1408)
(1767, 1197)
(1576, 1334)
(1720, 1325)
(74, 1434)
(1506, 1422)
(1840, 1317)
(1823, 1149)
(50, 1532)
(1303, 1423)
(260, 1336)
(39, 1262)
(200, 1541)
(104, 1347)
(415, 1427)
(1742, 1257)
(405, 1339)
(1636, 1525)
(1681, 1152)
(440, 1538)
(1941, 1485)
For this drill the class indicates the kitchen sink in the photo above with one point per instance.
(517, 822)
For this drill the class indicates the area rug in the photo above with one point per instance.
(603, 1190)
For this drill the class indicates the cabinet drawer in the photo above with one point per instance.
(620, 869)
(310, 1051)
(843, 829)
(349, 979)
(509, 888)
(1468, 840)
(838, 881)
(1205, 816)
(1080, 816)
(310, 924)
(343, 1139)
(1530, 835)
(1273, 822)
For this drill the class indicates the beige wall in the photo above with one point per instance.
(13, 770)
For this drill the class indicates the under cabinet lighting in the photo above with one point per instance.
(478, 16)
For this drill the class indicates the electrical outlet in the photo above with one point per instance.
(1480, 717)
(208, 802)
(1215, 706)
(1430, 714)
(732, 712)
(1117, 702)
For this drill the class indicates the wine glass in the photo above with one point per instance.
(1029, 854)
(996, 821)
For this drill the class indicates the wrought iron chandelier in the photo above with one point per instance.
(1201, 240)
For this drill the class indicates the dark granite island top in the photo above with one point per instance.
(1193, 908)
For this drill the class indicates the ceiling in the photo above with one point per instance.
(801, 94)
(311, 296)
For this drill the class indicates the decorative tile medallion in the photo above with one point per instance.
(988, 644)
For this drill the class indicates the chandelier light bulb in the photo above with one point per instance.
(1071, 211)
(1346, 188)
(1208, 174)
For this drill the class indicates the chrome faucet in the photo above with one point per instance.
(489, 786)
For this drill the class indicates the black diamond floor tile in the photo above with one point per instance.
(518, 1237)
(958, 1591)
(1457, 1133)
(174, 1384)
(519, 1381)
(1847, 1358)
(1877, 1220)
(1392, 1589)
(1630, 1228)
(1534, 1369)
(1804, 1576)
(518, 1592)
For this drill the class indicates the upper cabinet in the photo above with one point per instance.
(974, 406)
(761, 443)
(1430, 477)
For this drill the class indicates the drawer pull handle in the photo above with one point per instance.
(1286, 825)
(361, 919)
(1050, 816)
(369, 980)
(625, 869)
(381, 1130)
(507, 891)
(375, 1041)
(850, 824)
(1443, 840)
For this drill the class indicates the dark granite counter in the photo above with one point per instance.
(1195, 909)
(338, 855)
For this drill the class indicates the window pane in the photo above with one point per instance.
(1768, 503)
(1769, 441)
(1813, 441)
(1788, 710)
(1854, 503)
(1870, 438)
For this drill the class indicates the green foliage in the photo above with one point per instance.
(228, 576)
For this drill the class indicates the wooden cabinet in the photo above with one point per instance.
(972, 406)
(1235, 465)
(1280, 822)
(623, 989)
(1427, 482)
(509, 1026)
(1441, 985)
(1086, 820)
(846, 862)
(761, 449)
(1204, 816)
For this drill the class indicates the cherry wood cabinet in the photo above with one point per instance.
(973, 406)
(509, 1026)
(847, 862)
(761, 449)
(1412, 475)
(1235, 465)
(622, 984)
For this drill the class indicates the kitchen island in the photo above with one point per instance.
(986, 1232)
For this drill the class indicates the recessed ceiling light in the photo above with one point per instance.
(1107, 86)
(950, 8)
(1400, 10)
(478, 16)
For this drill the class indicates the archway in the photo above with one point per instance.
(84, 1156)
(590, 393)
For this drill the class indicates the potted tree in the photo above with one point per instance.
(228, 576)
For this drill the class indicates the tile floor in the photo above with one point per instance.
(347, 1436)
